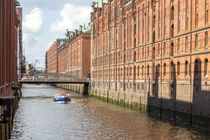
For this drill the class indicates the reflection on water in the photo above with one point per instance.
(39, 118)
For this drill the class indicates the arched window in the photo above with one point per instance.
(164, 69)
(147, 70)
(153, 53)
(178, 45)
(206, 67)
(158, 49)
(164, 49)
(207, 16)
(138, 71)
(153, 89)
(186, 68)
(172, 49)
(187, 11)
(119, 70)
(142, 72)
(206, 39)
(158, 70)
(196, 13)
(178, 69)
(197, 68)
(130, 71)
(186, 43)
(196, 41)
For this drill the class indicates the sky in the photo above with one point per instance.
(46, 20)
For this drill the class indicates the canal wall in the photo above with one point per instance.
(77, 88)
(6, 123)
(182, 102)
(157, 98)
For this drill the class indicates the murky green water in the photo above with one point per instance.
(39, 118)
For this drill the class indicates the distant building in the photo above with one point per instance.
(72, 54)
(52, 57)
(46, 63)
(78, 52)
(61, 58)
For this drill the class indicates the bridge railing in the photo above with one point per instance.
(53, 77)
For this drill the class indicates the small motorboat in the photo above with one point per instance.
(62, 98)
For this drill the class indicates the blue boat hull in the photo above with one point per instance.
(63, 99)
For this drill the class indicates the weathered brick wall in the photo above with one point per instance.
(75, 47)
(62, 55)
(8, 57)
(8, 46)
(78, 55)
(85, 55)
(52, 59)
(153, 53)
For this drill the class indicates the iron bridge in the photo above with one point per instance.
(55, 78)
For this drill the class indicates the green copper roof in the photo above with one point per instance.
(98, 3)
(17, 3)
(84, 28)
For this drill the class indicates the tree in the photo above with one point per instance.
(23, 65)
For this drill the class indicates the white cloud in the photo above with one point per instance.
(33, 21)
(30, 40)
(72, 16)
(36, 52)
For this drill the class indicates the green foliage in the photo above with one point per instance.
(23, 65)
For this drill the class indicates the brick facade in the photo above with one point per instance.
(9, 41)
(52, 58)
(10, 58)
(71, 55)
(62, 57)
(154, 53)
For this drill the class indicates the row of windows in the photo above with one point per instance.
(145, 51)
(175, 70)
(128, 27)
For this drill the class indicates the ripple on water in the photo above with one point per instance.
(39, 118)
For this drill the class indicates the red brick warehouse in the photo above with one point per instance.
(152, 53)
(71, 55)
(10, 52)
(10, 59)
(52, 57)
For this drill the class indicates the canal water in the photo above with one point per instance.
(39, 118)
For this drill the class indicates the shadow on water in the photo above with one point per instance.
(180, 112)
(88, 118)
